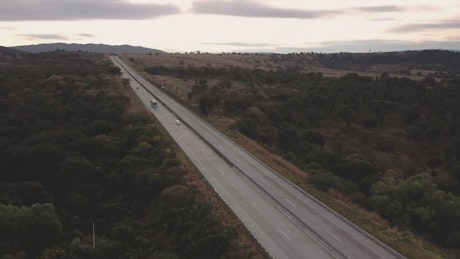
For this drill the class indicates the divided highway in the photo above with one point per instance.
(286, 221)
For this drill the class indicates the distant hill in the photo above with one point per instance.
(4, 51)
(8, 54)
(424, 59)
(100, 48)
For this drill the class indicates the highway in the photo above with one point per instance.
(285, 220)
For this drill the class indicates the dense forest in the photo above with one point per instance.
(72, 157)
(439, 60)
(392, 145)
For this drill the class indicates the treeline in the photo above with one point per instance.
(190, 72)
(71, 156)
(391, 145)
(438, 60)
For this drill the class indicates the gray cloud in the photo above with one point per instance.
(49, 10)
(254, 9)
(239, 44)
(44, 36)
(85, 35)
(379, 45)
(251, 8)
(380, 9)
(415, 27)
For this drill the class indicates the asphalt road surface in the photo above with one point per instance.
(286, 221)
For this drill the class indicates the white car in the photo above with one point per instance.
(177, 122)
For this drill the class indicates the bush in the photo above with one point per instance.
(28, 229)
(326, 180)
(314, 137)
(369, 122)
(248, 127)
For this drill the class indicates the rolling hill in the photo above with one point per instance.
(99, 48)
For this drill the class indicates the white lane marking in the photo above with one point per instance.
(339, 225)
(262, 179)
(221, 172)
(292, 204)
(284, 234)
(238, 161)
(333, 235)
(236, 187)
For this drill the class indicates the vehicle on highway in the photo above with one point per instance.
(153, 103)
(177, 122)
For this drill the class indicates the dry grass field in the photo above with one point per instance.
(269, 62)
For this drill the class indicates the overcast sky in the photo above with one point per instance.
(236, 25)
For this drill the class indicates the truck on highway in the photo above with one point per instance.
(153, 103)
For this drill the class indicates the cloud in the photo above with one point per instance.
(7, 28)
(52, 10)
(251, 8)
(44, 36)
(64, 37)
(239, 44)
(416, 27)
(378, 45)
(254, 9)
(85, 35)
(381, 9)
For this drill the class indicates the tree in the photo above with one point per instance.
(345, 113)
(359, 171)
(206, 103)
(39, 162)
(418, 204)
(248, 127)
(313, 137)
(29, 229)
(288, 136)
(77, 169)
(326, 180)
(23, 193)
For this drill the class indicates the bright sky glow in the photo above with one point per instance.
(236, 25)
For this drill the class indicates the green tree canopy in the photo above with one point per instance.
(28, 229)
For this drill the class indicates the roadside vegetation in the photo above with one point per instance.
(74, 155)
(386, 147)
